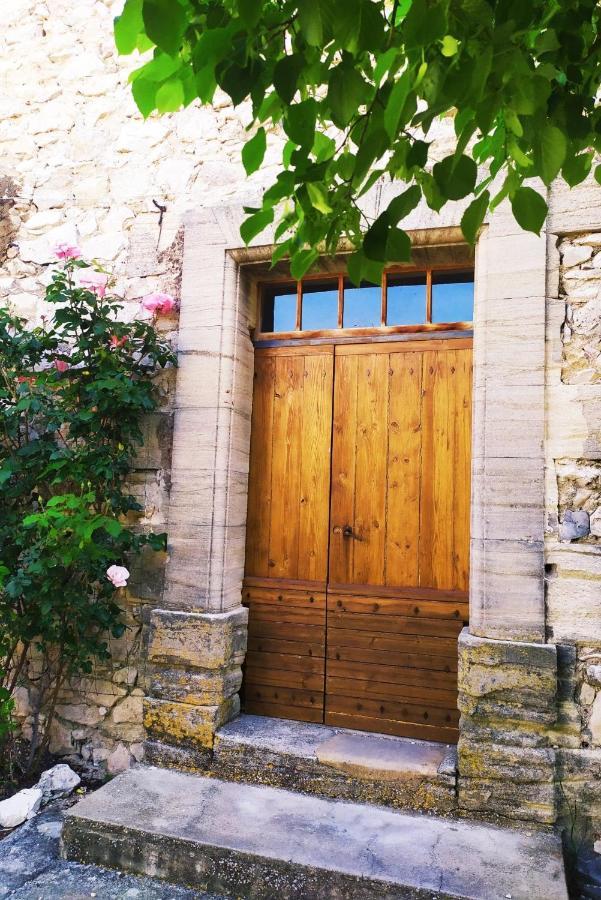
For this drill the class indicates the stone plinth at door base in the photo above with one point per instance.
(193, 675)
(508, 704)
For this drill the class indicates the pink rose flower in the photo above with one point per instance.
(92, 280)
(158, 303)
(117, 575)
(64, 250)
(60, 365)
(116, 342)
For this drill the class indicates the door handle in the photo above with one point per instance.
(347, 532)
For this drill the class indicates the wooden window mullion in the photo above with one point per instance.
(429, 295)
(384, 299)
(299, 305)
(340, 299)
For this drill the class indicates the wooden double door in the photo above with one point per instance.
(357, 553)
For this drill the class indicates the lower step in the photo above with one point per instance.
(337, 763)
(261, 842)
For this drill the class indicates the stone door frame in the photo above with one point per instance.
(196, 641)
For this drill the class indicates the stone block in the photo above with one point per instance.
(194, 687)
(525, 802)
(200, 640)
(181, 724)
(507, 679)
(521, 765)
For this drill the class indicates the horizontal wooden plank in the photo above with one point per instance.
(385, 606)
(264, 612)
(386, 658)
(283, 631)
(300, 350)
(388, 726)
(391, 674)
(283, 598)
(409, 346)
(402, 692)
(283, 678)
(297, 648)
(309, 664)
(261, 693)
(377, 640)
(420, 714)
(396, 624)
(406, 592)
(284, 711)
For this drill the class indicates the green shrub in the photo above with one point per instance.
(73, 396)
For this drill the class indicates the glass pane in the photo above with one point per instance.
(406, 298)
(452, 296)
(279, 308)
(362, 305)
(320, 305)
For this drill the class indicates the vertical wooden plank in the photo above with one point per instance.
(462, 488)
(285, 467)
(370, 480)
(436, 528)
(343, 468)
(426, 515)
(404, 469)
(259, 477)
(315, 467)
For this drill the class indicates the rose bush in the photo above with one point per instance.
(73, 396)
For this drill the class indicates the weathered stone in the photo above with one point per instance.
(250, 840)
(594, 723)
(21, 806)
(595, 522)
(128, 710)
(526, 802)
(191, 686)
(506, 763)
(201, 640)
(118, 760)
(184, 725)
(575, 525)
(59, 781)
(593, 675)
(587, 694)
(575, 254)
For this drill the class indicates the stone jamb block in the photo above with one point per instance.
(197, 640)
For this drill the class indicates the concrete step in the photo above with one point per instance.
(260, 843)
(337, 763)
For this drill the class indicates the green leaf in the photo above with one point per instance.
(455, 178)
(401, 206)
(299, 122)
(424, 24)
(170, 96)
(255, 224)
(310, 21)
(318, 198)
(450, 45)
(529, 209)
(473, 217)
(159, 68)
(347, 91)
(598, 174)
(551, 152)
(285, 76)
(302, 261)
(396, 104)
(250, 11)
(398, 246)
(127, 26)
(576, 168)
(165, 23)
(253, 151)
(144, 93)
(113, 527)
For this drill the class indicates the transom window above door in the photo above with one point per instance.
(326, 305)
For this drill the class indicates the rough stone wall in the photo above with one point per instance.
(573, 526)
(78, 163)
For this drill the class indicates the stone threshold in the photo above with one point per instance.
(260, 842)
(338, 763)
